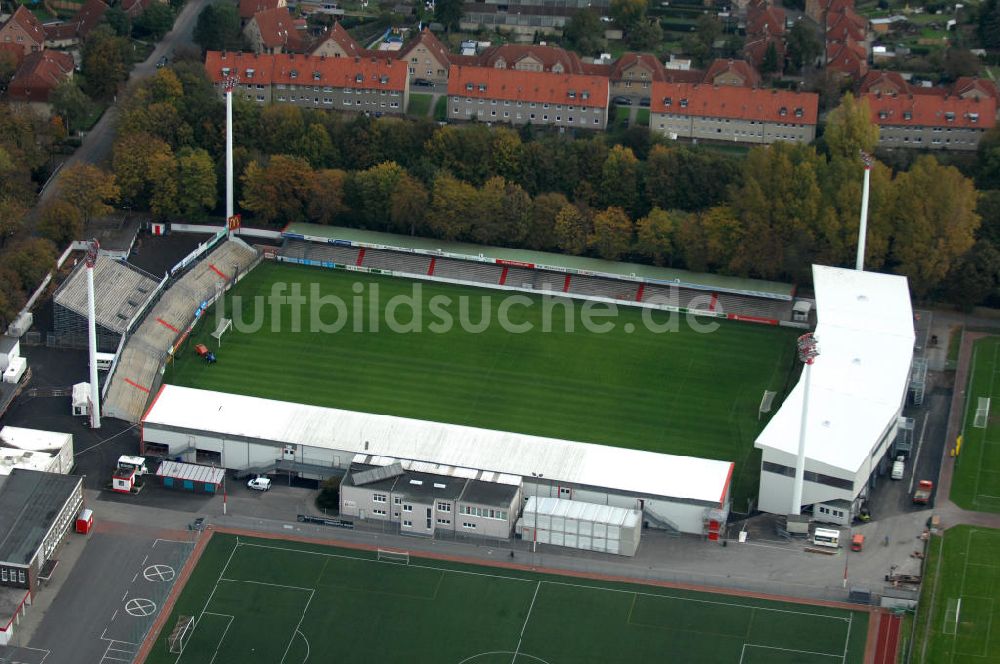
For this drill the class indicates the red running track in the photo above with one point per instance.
(888, 639)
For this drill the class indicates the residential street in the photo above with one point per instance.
(97, 144)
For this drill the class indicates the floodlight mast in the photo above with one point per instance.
(228, 84)
(95, 397)
(867, 160)
(808, 352)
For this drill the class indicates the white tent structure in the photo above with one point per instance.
(259, 435)
(859, 385)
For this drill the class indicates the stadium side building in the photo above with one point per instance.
(251, 434)
(859, 386)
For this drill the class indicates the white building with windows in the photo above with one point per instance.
(680, 493)
(859, 385)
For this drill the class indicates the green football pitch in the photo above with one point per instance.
(682, 392)
(256, 600)
(976, 483)
(960, 599)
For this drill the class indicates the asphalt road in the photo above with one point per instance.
(97, 144)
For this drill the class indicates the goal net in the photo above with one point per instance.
(224, 326)
(394, 556)
(951, 616)
(982, 413)
(180, 634)
(766, 402)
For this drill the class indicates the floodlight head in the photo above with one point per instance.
(229, 83)
(808, 348)
(93, 246)
(867, 159)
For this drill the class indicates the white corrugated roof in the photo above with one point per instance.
(191, 471)
(579, 510)
(646, 473)
(865, 338)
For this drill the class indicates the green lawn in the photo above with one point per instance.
(958, 601)
(274, 601)
(976, 485)
(419, 104)
(441, 109)
(954, 346)
(642, 117)
(682, 392)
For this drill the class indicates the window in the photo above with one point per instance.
(470, 526)
(396, 500)
(444, 507)
(378, 498)
(295, 74)
(379, 512)
(468, 87)
(20, 575)
(684, 102)
(407, 524)
(444, 522)
(407, 508)
(3, 574)
(316, 76)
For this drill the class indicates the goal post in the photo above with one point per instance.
(389, 556)
(224, 326)
(180, 634)
(766, 402)
(982, 413)
(951, 617)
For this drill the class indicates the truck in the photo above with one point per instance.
(128, 474)
(922, 494)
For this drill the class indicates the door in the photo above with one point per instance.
(428, 518)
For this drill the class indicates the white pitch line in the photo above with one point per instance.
(804, 652)
(526, 619)
(847, 639)
(298, 626)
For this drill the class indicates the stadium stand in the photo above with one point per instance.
(397, 261)
(745, 306)
(596, 286)
(451, 268)
(145, 351)
(120, 291)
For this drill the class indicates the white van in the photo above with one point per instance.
(259, 484)
(898, 468)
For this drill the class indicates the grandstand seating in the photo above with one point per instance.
(451, 268)
(676, 296)
(596, 286)
(144, 352)
(549, 281)
(397, 261)
(330, 253)
(754, 306)
(517, 277)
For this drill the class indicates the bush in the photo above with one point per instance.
(329, 494)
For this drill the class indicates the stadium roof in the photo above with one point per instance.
(236, 417)
(120, 290)
(865, 337)
(542, 259)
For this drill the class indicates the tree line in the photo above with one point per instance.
(769, 213)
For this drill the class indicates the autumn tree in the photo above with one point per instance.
(503, 213)
(326, 200)
(627, 13)
(89, 189)
(30, 260)
(584, 32)
(849, 128)
(655, 236)
(453, 204)
(572, 229)
(620, 178)
(315, 146)
(934, 222)
(12, 212)
(371, 193)
(408, 205)
(196, 181)
(105, 62)
(505, 153)
(708, 241)
(611, 235)
(278, 192)
(132, 160)
(975, 278)
(218, 28)
(70, 102)
(542, 222)
(60, 222)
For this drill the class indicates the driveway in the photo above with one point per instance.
(97, 144)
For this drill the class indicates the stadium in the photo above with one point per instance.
(676, 408)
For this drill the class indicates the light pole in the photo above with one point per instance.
(228, 84)
(808, 352)
(95, 395)
(867, 160)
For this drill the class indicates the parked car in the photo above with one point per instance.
(621, 101)
(645, 101)
(898, 468)
(259, 484)
(423, 83)
(162, 62)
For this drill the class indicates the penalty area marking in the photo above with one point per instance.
(502, 652)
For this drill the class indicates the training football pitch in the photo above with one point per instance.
(683, 392)
(976, 484)
(961, 598)
(257, 600)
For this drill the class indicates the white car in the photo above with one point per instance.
(259, 484)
